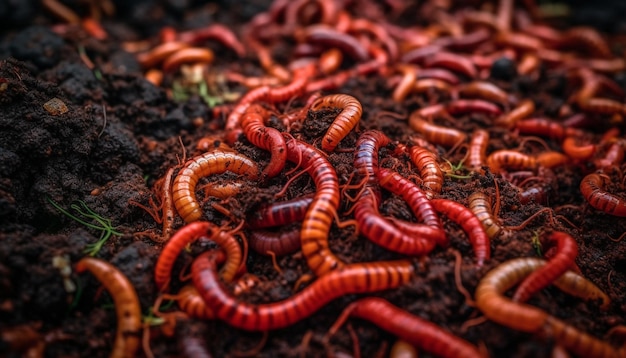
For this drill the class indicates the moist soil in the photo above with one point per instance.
(121, 134)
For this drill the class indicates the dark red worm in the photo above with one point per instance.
(413, 329)
(350, 279)
(280, 213)
(253, 126)
(465, 106)
(476, 153)
(452, 62)
(279, 242)
(566, 252)
(593, 189)
(345, 121)
(329, 37)
(546, 128)
(217, 32)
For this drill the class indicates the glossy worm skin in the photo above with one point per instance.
(452, 62)
(484, 90)
(510, 159)
(480, 205)
(321, 212)
(464, 106)
(187, 55)
(476, 154)
(614, 155)
(470, 223)
(217, 32)
(127, 306)
(567, 250)
(366, 155)
(418, 202)
(523, 110)
(546, 128)
(491, 301)
(593, 189)
(430, 173)
(413, 329)
(330, 37)
(280, 213)
(167, 202)
(266, 138)
(190, 302)
(281, 243)
(347, 119)
(189, 234)
(350, 279)
(214, 162)
(433, 133)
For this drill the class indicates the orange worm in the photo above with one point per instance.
(214, 162)
(470, 223)
(408, 327)
(430, 173)
(280, 243)
(378, 31)
(158, 54)
(484, 90)
(347, 119)
(566, 252)
(510, 159)
(406, 84)
(433, 133)
(266, 138)
(518, 41)
(546, 128)
(551, 159)
(593, 189)
(280, 213)
(614, 155)
(189, 234)
(349, 279)
(480, 205)
(330, 60)
(321, 212)
(186, 55)
(329, 37)
(222, 190)
(428, 85)
(190, 302)
(127, 306)
(604, 106)
(588, 38)
(452, 62)
(524, 109)
(217, 32)
(476, 158)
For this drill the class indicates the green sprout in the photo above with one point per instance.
(107, 230)
(454, 168)
(537, 243)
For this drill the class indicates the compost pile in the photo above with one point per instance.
(310, 178)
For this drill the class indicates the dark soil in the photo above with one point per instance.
(120, 135)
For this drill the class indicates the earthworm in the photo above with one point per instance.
(127, 306)
(222, 190)
(280, 213)
(185, 55)
(189, 234)
(524, 109)
(484, 90)
(445, 136)
(350, 279)
(158, 54)
(347, 119)
(190, 302)
(217, 32)
(593, 189)
(366, 154)
(330, 60)
(428, 85)
(567, 250)
(470, 223)
(215, 162)
(281, 243)
(578, 152)
(379, 32)
(520, 316)
(586, 37)
(463, 106)
(452, 62)
(266, 138)
(551, 159)
(167, 204)
(546, 128)
(319, 216)
(528, 64)
(604, 106)
(480, 205)
(419, 54)
(406, 84)
(614, 155)
(408, 327)
(510, 159)
(439, 74)
(430, 173)
(417, 200)
(518, 41)
(329, 37)
(477, 149)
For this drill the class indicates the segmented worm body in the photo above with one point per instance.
(593, 189)
(347, 119)
(546, 128)
(484, 90)
(430, 173)
(189, 234)
(480, 205)
(127, 306)
(321, 212)
(465, 106)
(452, 62)
(413, 329)
(510, 159)
(280, 243)
(471, 225)
(214, 162)
(523, 110)
(280, 213)
(476, 154)
(266, 138)
(349, 279)
(578, 152)
(190, 302)
(366, 155)
(444, 136)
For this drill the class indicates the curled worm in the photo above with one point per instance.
(593, 189)
(347, 119)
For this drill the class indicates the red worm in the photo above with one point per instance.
(470, 223)
(266, 138)
(319, 216)
(593, 189)
(379, 32)
(546, 128)
(280, 213)
(158, 54)
(330, 60)
(477, 149)
(127, 306)
(215, 162)
(418, 202)
(510, 159)
(518, 41)
(614, 155)
(567, 250)
(430, 173)
(280, 243)
(551, 159)
(189, 234)
(463, 106)
(452, 62)
(350, 279)
(329, 37)
(465, 42)
(413, 329)
(366, 154)
(217, 32)
(406, 84)
(167, 204)
(347, 119)
(186, 55)
(428, 85)
(433, 133)
(524, 109)
(520, 316)
(484, 90)
(480, 205)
